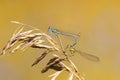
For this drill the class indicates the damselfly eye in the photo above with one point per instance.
(72, 50)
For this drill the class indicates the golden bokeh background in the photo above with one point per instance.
(98, 21)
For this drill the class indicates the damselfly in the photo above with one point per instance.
(71, 49)
(56, 31)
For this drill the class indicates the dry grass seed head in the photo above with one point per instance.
(71, 70)
(36, 43)
(43, 55)
(11, 42)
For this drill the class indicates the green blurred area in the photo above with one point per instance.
(97, 21)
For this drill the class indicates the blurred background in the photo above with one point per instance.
(98, 22)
